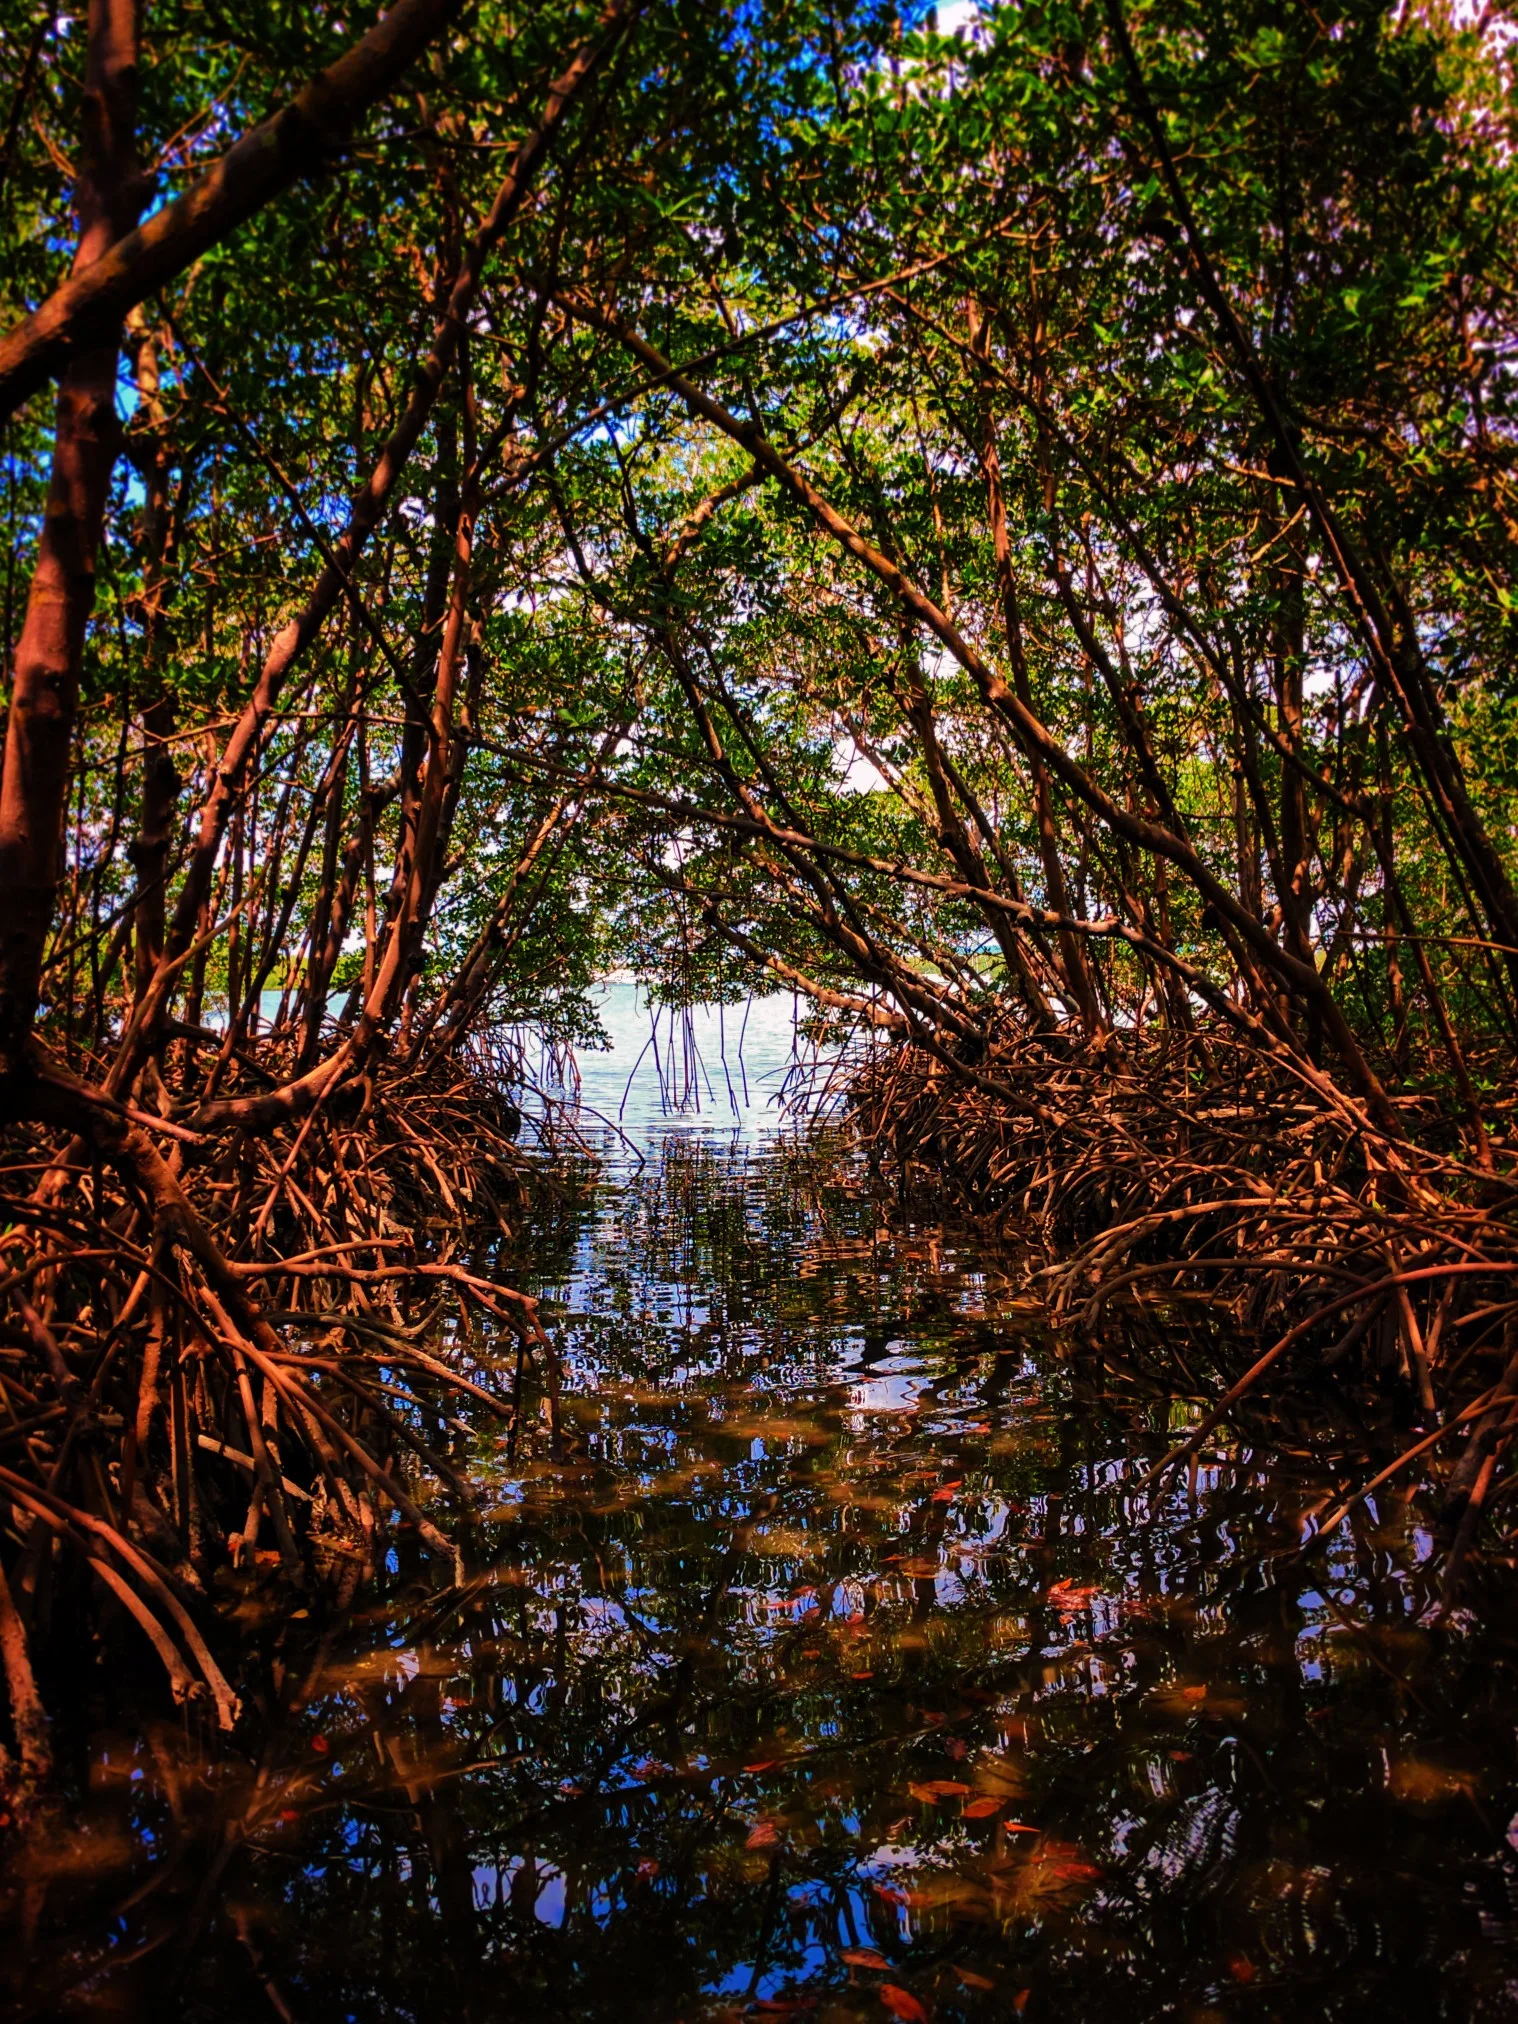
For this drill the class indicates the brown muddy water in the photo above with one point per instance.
(822, 1661)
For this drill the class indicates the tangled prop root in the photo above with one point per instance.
(214, 1354)
(1179, 1171)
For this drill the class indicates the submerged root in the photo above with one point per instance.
(1183, 1175)
(233, 1353)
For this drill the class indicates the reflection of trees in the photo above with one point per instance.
(742, 1603)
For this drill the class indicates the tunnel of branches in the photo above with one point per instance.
(1004, 528)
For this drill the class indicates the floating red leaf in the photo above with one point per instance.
(902, 2003)
(973, 1981)
(939, 1788)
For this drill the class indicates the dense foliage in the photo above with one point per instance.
(1174, 376)
(1004, 525)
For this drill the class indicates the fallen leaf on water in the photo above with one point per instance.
(981, 1809)
(939, 1788)
(1020, 1827)
(890, 1895)
(947, 1494)
(1179, 1700)
(864, 1957)
(1047, 1873)
(1068, 1599)
(1069, 1871)
(1242, 1968)
(902, 2003)
(320, 1745)
(1020, 2000)
(764, 1764)
(764, 1834)
(973, 1981)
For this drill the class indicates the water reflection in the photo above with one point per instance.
(822, 1661)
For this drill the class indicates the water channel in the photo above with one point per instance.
(826, 1663)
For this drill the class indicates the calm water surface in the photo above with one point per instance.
(823, 1662)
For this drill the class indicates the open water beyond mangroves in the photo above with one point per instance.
(825, 1664)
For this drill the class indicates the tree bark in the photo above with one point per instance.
(109, 196)
(365, 511)
(129, 264)
(1033, 737)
